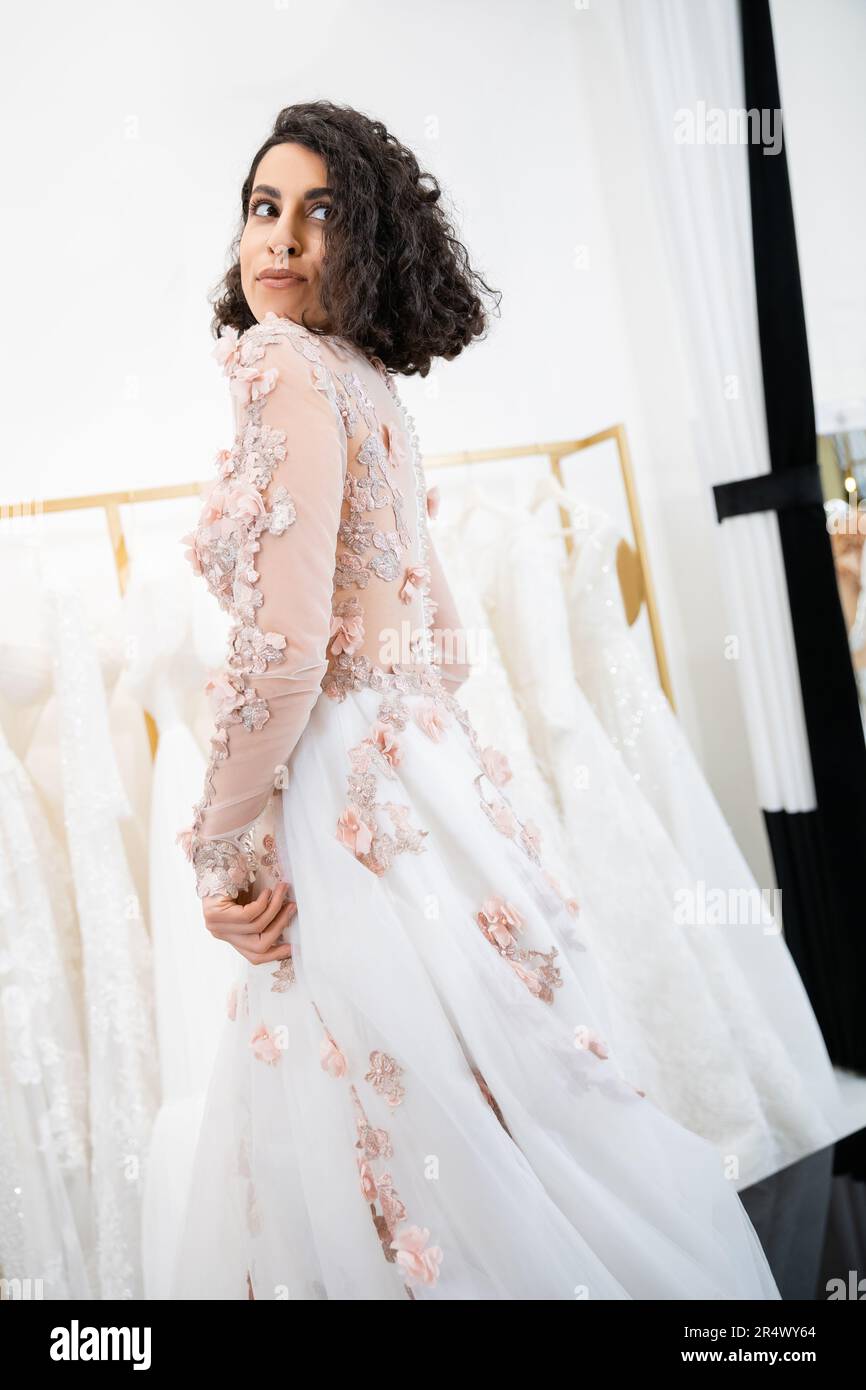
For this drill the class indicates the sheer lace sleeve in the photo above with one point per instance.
(265, 544)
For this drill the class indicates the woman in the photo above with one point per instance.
(413, 1097)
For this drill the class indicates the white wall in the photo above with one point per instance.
(126, 187)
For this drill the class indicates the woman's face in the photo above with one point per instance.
(285, 232)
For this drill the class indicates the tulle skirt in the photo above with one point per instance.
(424, 1103)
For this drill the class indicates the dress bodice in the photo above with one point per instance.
(380, 559)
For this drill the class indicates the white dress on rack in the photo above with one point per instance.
(627, 698)
(174, 640)
(714, 1022)
(421, 1101)
(118, 985)
(46, 1234)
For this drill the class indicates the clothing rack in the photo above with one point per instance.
(632, 561)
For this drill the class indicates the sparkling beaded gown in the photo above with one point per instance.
(421, 1103)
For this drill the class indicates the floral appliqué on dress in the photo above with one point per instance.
(403, 1244)
(358, 826)
(501, 923)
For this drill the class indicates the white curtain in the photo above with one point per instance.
(686, 55)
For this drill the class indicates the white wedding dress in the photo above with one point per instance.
(118, 985)
(421, 1101)
(46, 1231)
(626, 697)
(714, 1022)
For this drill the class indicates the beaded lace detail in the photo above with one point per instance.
(384, 1076)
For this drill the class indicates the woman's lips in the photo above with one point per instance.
(279, 282)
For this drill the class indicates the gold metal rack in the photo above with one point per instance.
(632, 561)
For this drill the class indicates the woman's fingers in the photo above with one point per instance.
(259, 947)
(224, 909)
(280, 898)
(222, 915)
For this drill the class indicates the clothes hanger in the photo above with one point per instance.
(478, 500)
(629, 569)
(550, 488)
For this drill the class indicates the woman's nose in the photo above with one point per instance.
(284, 243)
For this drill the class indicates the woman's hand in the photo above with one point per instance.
(253, 928)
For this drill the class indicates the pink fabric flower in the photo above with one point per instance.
(499, 933)
(419, 1261)
(585, 1037)
(243, 502)
(265, 1047)
(353, 832)
(385, 740)
(433, 502)
(232, 1003)
(498, 920)
(225, 349)
(347, 633)
(224, 463)
(332, 1059)
(415, 581)
(225, 697)
(496, 766)
(369, 1190)
(249, 384)
(212, 510)
(429, 719)
(263, 383)
(192, 554)
(508, 912)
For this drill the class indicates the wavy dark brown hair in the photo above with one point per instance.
(396, 280)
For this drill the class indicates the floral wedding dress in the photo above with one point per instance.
(421, 1102)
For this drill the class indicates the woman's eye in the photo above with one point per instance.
(266, 203)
